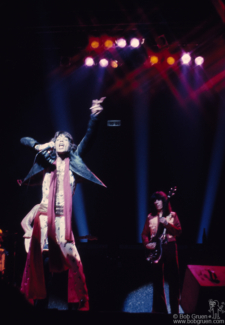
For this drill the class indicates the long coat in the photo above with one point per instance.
(45, 159)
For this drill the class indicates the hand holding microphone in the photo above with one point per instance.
(45, 151)
(46, 146)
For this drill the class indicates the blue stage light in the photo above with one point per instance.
(141, 158)
(214, 175)
(62, 121)
(79, 213)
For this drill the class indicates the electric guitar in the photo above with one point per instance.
(154, 247)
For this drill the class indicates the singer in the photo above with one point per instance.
(59, 168)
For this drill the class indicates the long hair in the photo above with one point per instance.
(166, 204)
(73, 146)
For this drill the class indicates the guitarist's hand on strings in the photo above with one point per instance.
(163, 221)
(150, 245)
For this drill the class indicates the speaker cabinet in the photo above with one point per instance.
(202, 284)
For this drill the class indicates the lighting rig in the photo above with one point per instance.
(102, 51)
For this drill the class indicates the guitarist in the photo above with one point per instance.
(163, 220)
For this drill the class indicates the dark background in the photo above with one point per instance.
(181, 111)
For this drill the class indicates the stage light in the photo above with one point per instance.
(199, 60)
(186, 58)
(141, 299)
(170, 60)
(80, 213)
(214, 176)
(103, 63)
(89, 61)
(141, 144)
(114, 64)
(95, 44)
(154, 59)
(121, 42)
(108, 43)
(134, 42)
(61, 121)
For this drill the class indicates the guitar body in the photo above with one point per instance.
(154, 255)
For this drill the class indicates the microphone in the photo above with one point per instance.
(47, 148)
(46, 154)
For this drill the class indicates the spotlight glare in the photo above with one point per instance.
(154, 59)
(186, 58)
(170, 60)
(121, 42)
(89, 61)
(134, 42)
(108, 43)
(114, 64)
(103, 63)
(199, 60)
(95, 44)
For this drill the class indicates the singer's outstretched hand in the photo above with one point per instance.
(96, 108)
